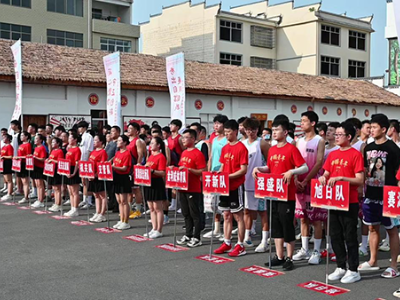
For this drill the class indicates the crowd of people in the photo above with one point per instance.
(366, 154)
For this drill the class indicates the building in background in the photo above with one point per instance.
(97, 24)
(393, 78)
(295, 39)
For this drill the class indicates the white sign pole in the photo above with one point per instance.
(113, 76)
(17, 54)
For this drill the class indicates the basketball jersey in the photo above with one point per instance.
(255, 160)
(216, 149)
(327, 151)
(309, 151)
(199, 145)
(358, 145)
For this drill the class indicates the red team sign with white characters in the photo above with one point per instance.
(171, 248)
(104, 171)
(177, 179)
(216, 260)
(391, 201)
(49, 169)
(260, 271)
(271, 186)
(137, 238)
(323, 288)
(63, 167)
(336, 197)
(16, 165)
(142, 175)
(1, 166)
(86, 169)
(29, 163)
(216, 183)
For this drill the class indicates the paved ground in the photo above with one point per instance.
(42, 258)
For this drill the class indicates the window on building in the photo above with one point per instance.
(15, 32)
(99, 118)
(97, 13)
(230, 31)
(330, 35)
(230, 59)
(262, 37)
(115, 45)
(69, 7)
(21, 3)
(64, 38)
(330, 66)
(261, 62)
(356, 40)
(356, 69)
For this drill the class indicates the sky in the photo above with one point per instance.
(353, 8)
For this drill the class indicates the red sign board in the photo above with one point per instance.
(220, 105)
(104, 171)
(1, 166)
(63, 167)
(271, 186)
(60, 217)
(29, 163)
(391, 201)
(137, 238)
(216, 260)
(107, 230)
(49, 169)
(81, 223)
(150, 102)
(142, 175)
(177, 179)
(336, 197)
(323, 288)
(93, 99)
(86, 169)
(16, 165)
(260, 271)
(198, 104)
(215, 183)
(171, 248)
(42, 212)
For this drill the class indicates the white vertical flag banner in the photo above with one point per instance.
(396, 9)
(113, 77)
(17, 53)
(176, 84)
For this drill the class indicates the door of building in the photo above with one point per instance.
(38, 119)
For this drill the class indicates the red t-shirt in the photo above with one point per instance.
(40, 152)
(56, 154)
(133, 148)
(281, 160)
(232, 157)
(193, 159)
(73, 155)
(98, 156)
(7, 150)
(24, 150)
(123, 159)
(173, 144)
(347, 164)
(157, 162)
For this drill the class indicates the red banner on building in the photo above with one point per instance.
(49, 169)
(63, 167)
(104, 171)
(29, 163)
(391, 201)
(142, 175)
(16, 165)
(86, 169)
(177, 179)
(215, 183)
(271, 186)
(336, 197)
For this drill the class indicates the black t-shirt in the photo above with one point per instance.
(381, 163)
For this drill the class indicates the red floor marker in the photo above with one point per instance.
(10, 203)
(107, 230)
(25, 207)
(260, 271)
(137, 238)
(81, 223)
(171, 248)
(60, 217)
(216, 260)
(42, 212)
(323, 288)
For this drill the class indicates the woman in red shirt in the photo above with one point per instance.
(155, 194)
(7, 153)
(122, 182)
(73, 180)
(39, 156)
(24, 150)
(98, 155)
(55, 181)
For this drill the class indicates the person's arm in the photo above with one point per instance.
(358, 180)
(204, 150)
(264, 146)
(168, 155)
(209, 161)
(180, 141)
(287, 176)
(322, 179)
(141, 150)
(241, 172)
(122, 169)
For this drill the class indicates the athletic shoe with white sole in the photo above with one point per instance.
(116, 225)
(23, 200)
(87, 205)
(385, 247)
(32, 195)
(124, 226)
(315, 258)
(74, 213)
(235, 231)
(92, 219)
(55, 208)
(37, 204)
(68, 202)
(100, 218)
(82, 203)
(262, 248)
(155, 234)
(362, 252)
(166, 220)
(248, 243)
(68, 213)
(208, 235)
(301, 255)
(337, 274)
(148, 233)
(350, 277)
(6, 197)
(183, 241)
(239, 250)
(194, 243)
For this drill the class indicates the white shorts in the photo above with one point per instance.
(253, 203)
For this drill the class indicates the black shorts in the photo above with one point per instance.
(122, 183)
(24, 173)
(7, 164)
(55, 180)
(156, 192)
(282, 220)
(234, 202)
(37, 173)
(73, 180)
(96, 186)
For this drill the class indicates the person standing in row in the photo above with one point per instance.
(39, 156)
(7, 153)
(86, 146)
(111, 150)
(24, 150)
(56, 180)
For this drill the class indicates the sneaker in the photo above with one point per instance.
(123, 226)
(194, 243)
(275, 262)
(74, 213)
(183, 241)
(166, 220)
(87, 206)
(23, 200)
(147, 212)
(298, 237)
(55, 208)
(338, 274)
(363, 252)
(315, 258)
(37, 204)
(312, 239)
(135, 215)
(223, 248)
(116, 225)
(68, 214)
(301, 255)
(100, 218)
(385, 247)
(32, 195)
(263, 247)
(350, 277)
(333, 258)
(253, 231)
(248, 244)
(155, 234)
(210, 233)
(179, 211)
(288, 264)
(92, 219)
(148, 233)
(221, 238)
(3, 190)
(235, 231)
(17, 193)
(82, 203)
(239, 250)
(68, 202)
(325, 253)
(6, 197)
